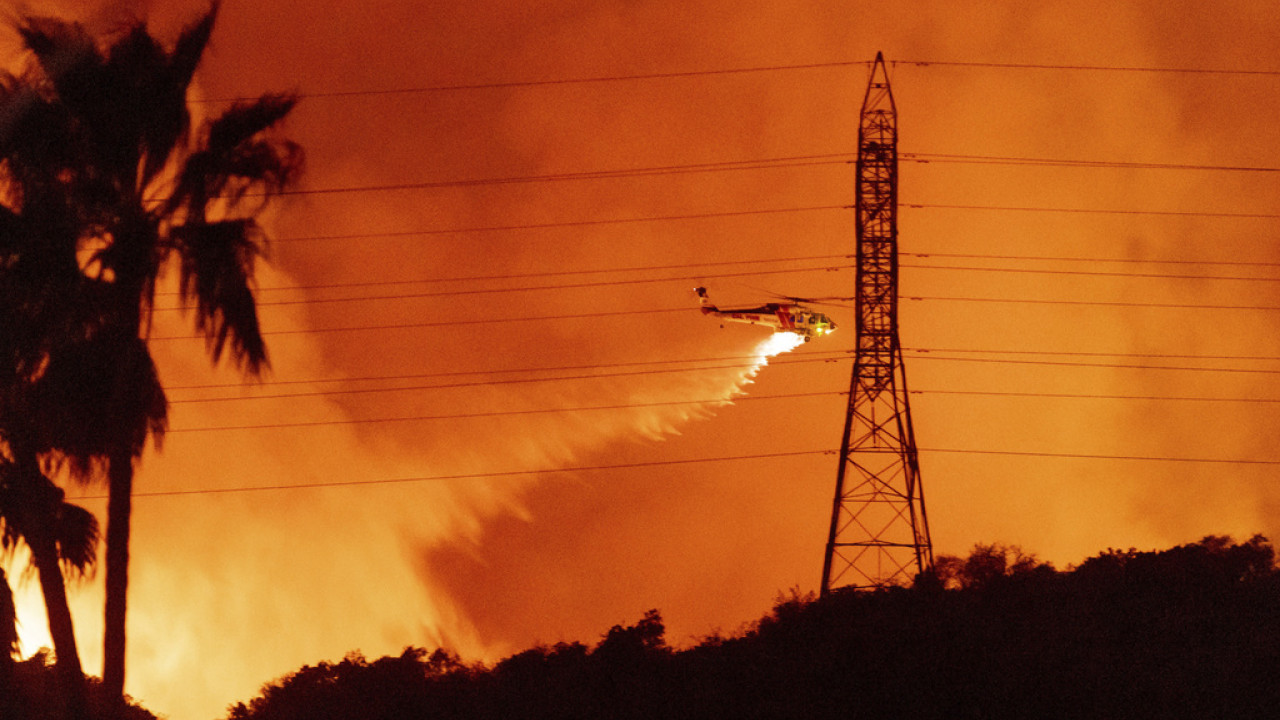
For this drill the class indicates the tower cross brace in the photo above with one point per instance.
(879, 532)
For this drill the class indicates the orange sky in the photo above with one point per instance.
(231, 590)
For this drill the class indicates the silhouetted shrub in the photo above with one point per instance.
(1189, 632)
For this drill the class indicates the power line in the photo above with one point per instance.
(1094, 211)
(802, 161)
(1084, 353)
(551, 225)
(926, 158)
(1088, 396)
(1078, 258)
(840, 158)
(567, 286)
(509, 381)
(1064, 363)
(632, 77)
(1043, 395)
(1096, 303)
(442, 323)
(466, 476)
(659, 463)
(683, 278)
(557, 273)
(499, 413)
(747, 361)
(1092, 68)
(1088, 456)
(808, 356)
(1093, 273)
(509, 84)
(834, 356)
(620, 313)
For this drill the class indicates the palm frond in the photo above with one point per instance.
(77, 535)
(95, 396)
(139, 114)
(244, 120)
(37, 142)
(10, 535)
(216, 265)
(236, 158)
(68, 56)
(191, 44)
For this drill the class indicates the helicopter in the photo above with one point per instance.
(792, 317)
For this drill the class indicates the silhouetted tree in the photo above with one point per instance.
(1188, 632)
(9, 647)
(38, 695)
(103, 132)
(61, 537)
(986, 563)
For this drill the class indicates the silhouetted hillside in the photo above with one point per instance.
(1190, 632)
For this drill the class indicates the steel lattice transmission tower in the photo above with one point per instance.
(879, 531)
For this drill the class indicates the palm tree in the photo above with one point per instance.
(52, 326)
(62, 538)
(8, 628)
(8, 648)
(107, 135)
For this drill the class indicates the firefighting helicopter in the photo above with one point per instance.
(792, 317)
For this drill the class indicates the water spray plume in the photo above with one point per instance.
(776, 344)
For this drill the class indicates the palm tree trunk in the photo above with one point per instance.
(44, 553)
(119, 509)
(38, 518)
(8, 645)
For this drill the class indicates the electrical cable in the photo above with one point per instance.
(619, 313)
(1095, 303)
(1094, 211)
(499, 413)
(1088, 456)
(557, 273)
(543, 82)
(1101, 68)
(441, 323)
(567, 286)
(509, 84)
(1084, 353)
(695, 278)
(1086, 396)
(544, 226)
(1064, 363)
(465, 476)
(926, 158)
(807, 357)
(835, 356)
(561, 177)
(658, 463)
(825, 357)
(1092, 273)
(509, 381)
(1078, 258)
